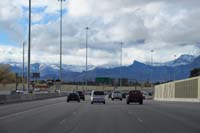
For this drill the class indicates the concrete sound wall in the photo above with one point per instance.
(181, 90)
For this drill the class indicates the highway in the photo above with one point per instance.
(58, 116)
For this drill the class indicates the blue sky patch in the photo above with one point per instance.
(5, 39)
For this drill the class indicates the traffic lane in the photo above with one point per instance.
(64, 117)
(39, 119)
(188, 112)
(7, 109)
(115, 116)
(111, 118)
(98, 118)
(163, 117)
(167, 117)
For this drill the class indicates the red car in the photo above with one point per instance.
(134, 96)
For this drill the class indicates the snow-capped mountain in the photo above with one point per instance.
(182, 60)
(142, 72)
(107, 66)
(38, 67)
(41, 67)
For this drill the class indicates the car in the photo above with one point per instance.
(81, 95)
(116, 95)
(124, 94)
(109, 95)
(16, 92)
(73, 97)
(134, 96)
(144, 94)
(36, 89)
(98, 97)
(57, 91)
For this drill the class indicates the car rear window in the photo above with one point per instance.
(135, 92)
(80, 92)
(73, 94)
(98, 93)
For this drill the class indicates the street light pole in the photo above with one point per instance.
(61, 1)
(29, 48)
(121, 44)
(86, 65)
(175, 68)
(152, 57)
(23, 67)
(152, 65)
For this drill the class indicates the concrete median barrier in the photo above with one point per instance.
(4, 99)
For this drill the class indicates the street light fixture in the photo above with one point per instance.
(61, 14)
(86, 65)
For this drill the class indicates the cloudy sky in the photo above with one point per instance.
(169, 27)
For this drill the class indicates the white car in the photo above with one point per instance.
(98, 97)
(116, 95)
(36, 89)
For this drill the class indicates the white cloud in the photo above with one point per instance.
(36, 17)
(10, 16)
(10, 54)
(169, 27)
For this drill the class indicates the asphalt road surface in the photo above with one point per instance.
(58, 116)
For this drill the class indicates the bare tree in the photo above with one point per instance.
(6, 76)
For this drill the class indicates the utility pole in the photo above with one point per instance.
(61, 1)
(86, 65)
(29, 48)
(121, 44)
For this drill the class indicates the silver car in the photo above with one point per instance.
(98, 97)
(116, 95)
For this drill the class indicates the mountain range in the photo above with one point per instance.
(182, 60)
(155, 72)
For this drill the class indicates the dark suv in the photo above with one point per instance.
(134, 96)
(81, 95)
(73, 97)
